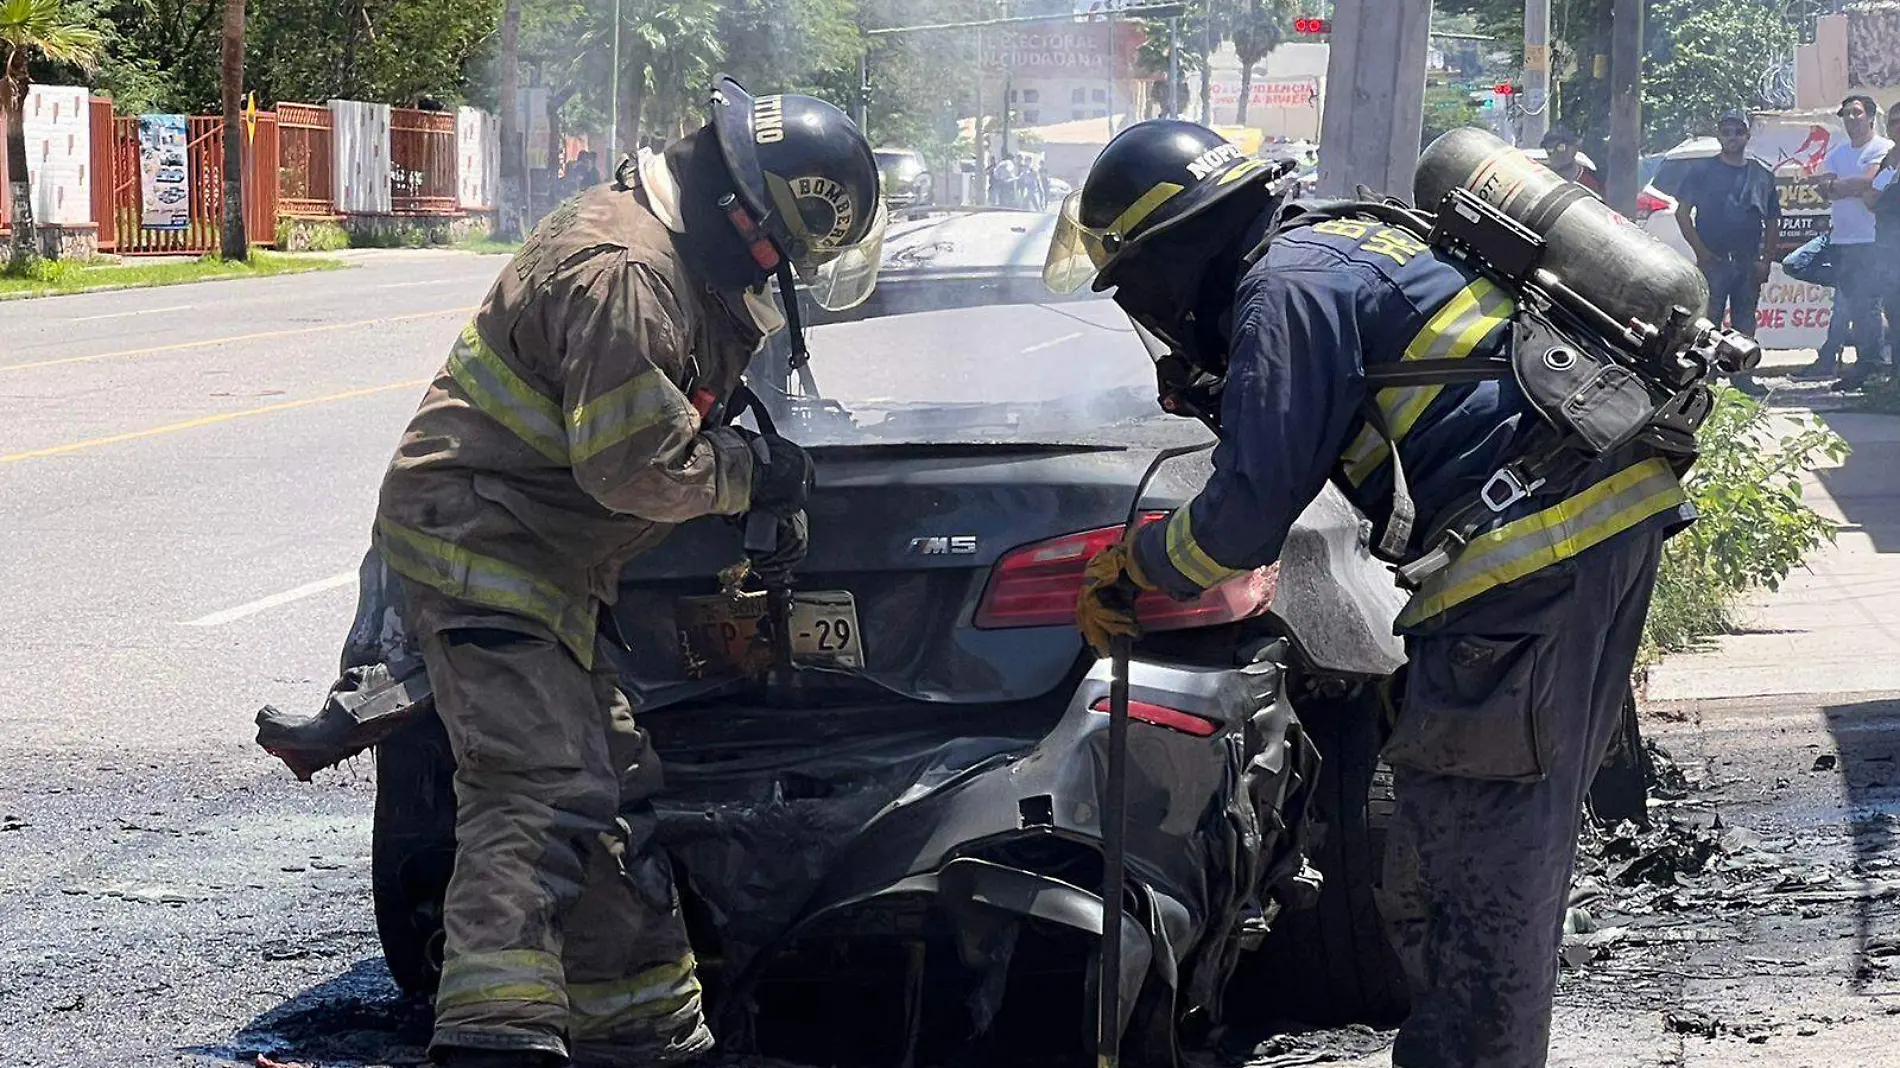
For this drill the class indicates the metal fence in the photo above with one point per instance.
(204, 163)
(305, 170)
(422, 162)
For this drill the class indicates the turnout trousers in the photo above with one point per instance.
(563, 927)
(1510, 702)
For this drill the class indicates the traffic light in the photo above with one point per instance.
(1505, 89)
(1312, 26)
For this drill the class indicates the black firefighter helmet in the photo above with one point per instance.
(807, 190)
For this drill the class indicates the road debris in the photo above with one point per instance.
(1826, 762)
(12, 823)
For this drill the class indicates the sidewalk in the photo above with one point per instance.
(1833, 627)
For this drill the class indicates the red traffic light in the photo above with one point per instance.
(1312, 25)
(1504, 89)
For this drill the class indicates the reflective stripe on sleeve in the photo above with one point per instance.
(1458, 328)
(644, 401)
(1188, 557)
(502, 395)
(1525, 546)
(530, 975)
(484, 580)
(614, 1008)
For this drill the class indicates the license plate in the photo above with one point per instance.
(719, 634)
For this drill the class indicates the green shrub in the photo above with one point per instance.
(1753, 528)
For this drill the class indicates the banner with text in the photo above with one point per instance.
(1097, 49)
(163, 189)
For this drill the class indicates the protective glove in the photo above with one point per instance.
(788, 551)
(1110, 584)
(782, 475)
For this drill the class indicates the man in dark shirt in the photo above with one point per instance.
(1728, 210)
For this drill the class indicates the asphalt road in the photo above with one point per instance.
(187, 477)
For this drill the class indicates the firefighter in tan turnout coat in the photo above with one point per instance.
(568, 430)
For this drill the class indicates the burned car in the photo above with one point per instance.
(888, 842)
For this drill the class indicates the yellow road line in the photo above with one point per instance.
(207, 420)
(264, 335)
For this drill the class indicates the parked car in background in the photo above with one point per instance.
(906, 177)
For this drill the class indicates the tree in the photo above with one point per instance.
(1258, 28)
(29, 27)
(1709, 56)
(235, 247)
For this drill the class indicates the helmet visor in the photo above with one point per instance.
(842, 278)
(1075, 252)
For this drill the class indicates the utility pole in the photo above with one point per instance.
(613, 100)
(1009, 90)
(976, 131)
(1375, 75)
(1174, 68)
(1536, 71)
(864, 89)
(1626, 104)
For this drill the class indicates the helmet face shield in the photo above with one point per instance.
(1076, 253)
(843, 277)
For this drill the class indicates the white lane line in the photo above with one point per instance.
(308, 589)
(1051, 343)
(129, 314)
(424, 282)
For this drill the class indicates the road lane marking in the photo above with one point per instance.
(1051, 343)
(264, 335)
(308, 589)
(208, 420)
(423, 282)
(129, 314)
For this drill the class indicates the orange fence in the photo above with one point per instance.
(304, 169)
(422, 162)
(204, 175)
(289, 170)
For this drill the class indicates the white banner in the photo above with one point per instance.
(163, 188)
(477, 158)
(1794, 315)
(59, 154)
(1265, 92)
(360, 157)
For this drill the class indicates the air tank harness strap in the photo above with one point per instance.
(1544, 459)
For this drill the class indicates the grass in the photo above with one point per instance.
(49, 277)
(488, 246)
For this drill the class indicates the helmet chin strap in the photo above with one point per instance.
(800, 361)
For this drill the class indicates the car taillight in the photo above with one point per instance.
(1648, 203)
(1037, 586)
(1162, 716)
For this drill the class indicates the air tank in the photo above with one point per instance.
(1607, 259)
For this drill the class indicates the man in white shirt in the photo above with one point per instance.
(1845, 181)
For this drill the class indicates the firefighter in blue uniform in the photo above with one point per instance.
(1519, 650)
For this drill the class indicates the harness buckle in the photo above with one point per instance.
(1505, 488)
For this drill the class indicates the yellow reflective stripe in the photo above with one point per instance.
(1458, 328)
(484, 580)
(1188, 557)
(643, 401)
(1236, 174)
(503, 396)
(1141, 209)
(502, 975)
(606, 1008)
(1557, 533)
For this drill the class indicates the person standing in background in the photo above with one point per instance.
(1728, 213)
(1885, 202)
(1846, 181)
(1560, 148)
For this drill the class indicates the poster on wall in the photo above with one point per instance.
(1794, 314)
(162, 185)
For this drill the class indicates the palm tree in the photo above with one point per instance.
(235, 247)
(1258, 28)
(26, 27)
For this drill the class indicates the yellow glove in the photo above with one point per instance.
(1110, 585)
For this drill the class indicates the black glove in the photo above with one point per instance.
(788, 549)
(782, 475)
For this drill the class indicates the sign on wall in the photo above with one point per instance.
(164, 190)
